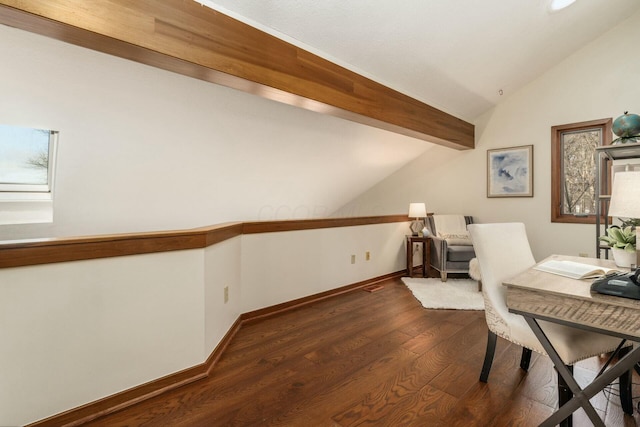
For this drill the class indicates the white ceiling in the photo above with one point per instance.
(455, 55)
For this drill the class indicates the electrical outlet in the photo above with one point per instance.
(583, 254)
(367, 256)
(353, 259)
(226, 294)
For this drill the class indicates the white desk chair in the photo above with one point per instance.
(503, 251)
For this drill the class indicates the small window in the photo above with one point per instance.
(26, 159)
(573, 169)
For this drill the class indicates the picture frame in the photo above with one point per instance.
(510, 172)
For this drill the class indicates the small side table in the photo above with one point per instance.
(426, 254)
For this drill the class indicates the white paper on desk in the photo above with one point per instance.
(574, 270)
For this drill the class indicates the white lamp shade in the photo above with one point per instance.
(417, 210)
(625, 195)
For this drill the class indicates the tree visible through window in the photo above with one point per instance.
(25, 159)
(573, 163)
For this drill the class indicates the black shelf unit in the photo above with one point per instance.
(605, 155)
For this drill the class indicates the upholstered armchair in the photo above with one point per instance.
(451, 248)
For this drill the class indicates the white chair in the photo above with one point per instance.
(503, 251)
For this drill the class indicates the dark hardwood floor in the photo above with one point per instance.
(377, 359)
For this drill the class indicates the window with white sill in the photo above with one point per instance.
(27, 166)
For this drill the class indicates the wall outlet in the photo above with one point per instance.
(416, 248)
(226, 294)
(583, 254)
(353, 259)
(367, 256)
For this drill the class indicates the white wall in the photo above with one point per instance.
(222, 268)
(283, 266)
(599, 81)
(75, 332)
(145, 149)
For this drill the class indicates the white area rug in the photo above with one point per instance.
(458, 294)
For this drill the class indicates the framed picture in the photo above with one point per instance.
(510, 172)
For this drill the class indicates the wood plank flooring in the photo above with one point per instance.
(372, 359)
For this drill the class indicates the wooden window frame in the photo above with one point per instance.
(605, 126)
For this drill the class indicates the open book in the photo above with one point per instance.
(575, 270)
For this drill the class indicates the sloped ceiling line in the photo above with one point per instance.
(232, 53)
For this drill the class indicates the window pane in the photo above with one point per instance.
(24, 156)
(579, 171)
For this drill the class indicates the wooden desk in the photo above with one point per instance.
(537, 295)
(426, 254)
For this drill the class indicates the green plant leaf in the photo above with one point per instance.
(616, 234)
(623, 238)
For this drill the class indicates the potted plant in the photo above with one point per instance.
(622, 241)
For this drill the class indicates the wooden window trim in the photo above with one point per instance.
(556, 167)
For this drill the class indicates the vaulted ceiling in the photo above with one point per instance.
(461, 56)
(455, 55)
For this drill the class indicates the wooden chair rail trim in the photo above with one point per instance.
(309, 224)
(19, 253)
(94, 410)
(184, 37)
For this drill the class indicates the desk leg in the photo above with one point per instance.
(581, 397)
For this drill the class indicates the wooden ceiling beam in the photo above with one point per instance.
(185, 37)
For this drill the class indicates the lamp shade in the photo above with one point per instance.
(625, 195)
(417, 210)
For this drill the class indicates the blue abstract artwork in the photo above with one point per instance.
(510, 172)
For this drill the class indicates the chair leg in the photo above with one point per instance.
(626, 396)
(564, 395)
(525, 359)
(488, 356)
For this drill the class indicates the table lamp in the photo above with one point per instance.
(417, 211)
(625, 198)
